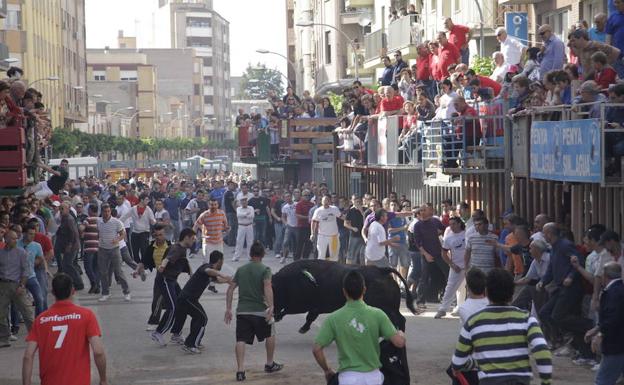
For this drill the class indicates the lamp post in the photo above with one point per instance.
(309, 23)
(292, 65)
(272, 70)
(52, 78)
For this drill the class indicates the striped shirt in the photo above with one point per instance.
(90, 235)
(213, 225)
(498, 339)
(482, 254)
(109, 231)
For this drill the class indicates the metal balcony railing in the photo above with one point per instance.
(375, 45)
(404, 32)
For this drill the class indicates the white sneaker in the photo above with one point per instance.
(104, 298)
(596, 367)
(278, 256)
(159, 339)
(12, 337)
(150, 328)
(127, 297)
(191, 350)
(283, 260)
(565, 351)
(234, 259)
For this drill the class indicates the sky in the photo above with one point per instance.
(254, 24)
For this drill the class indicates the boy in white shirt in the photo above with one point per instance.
(475, 282)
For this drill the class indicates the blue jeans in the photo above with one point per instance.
(414, 275)
(611, 367)
(91, 269)
(42, 278)
(279, 237)
(230, 240)
(260, 228)
(465, 55)
(618, 66)
(35, 290)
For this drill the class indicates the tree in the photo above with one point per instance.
(258, 80)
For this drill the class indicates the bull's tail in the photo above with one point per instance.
(409, 300)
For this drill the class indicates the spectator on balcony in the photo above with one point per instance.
(392, 103)
(615, 141)
(604, 74)
(399, 65)
(425, 108)
(423, 72)
(531, 67)
(15, 73)
(552, 54)
(448, 54)
(501, 68)
(446, 107)
(512, 48)
(579, 42)
(406, 85)
(573, 71)
(484, 81)
(598, 31)
(521, 93)
(469, 126)
(562, 92)
(8, 110)
(328, 110)
(290, 93)
(615, 35)
(435, 62)
(411, 10)
(589, 92)
(459, 36)
(410, 120)
(386, 77)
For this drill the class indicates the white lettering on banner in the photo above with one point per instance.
(548, 163)
(539, 136)
(582, 165)
(572, 136)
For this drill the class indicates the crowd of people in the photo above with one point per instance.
(158, 224)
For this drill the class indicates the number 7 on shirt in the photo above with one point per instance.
(63, 332)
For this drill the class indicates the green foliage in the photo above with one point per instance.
(336, 101)
(483, 65)
(258, 80)
(67, 142)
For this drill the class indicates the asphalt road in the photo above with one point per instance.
(133, 358)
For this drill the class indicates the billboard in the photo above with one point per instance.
(517, 25)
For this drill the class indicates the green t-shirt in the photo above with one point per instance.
(356, 328)
(250, 280)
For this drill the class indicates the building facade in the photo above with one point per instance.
(195, 24)
(47, 39)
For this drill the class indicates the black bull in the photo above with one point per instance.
(315, 287)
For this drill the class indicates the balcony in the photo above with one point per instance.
(199, 31)
(374, 45)
(353, 16)
(359, 3)
(404, 32)
(518, 2)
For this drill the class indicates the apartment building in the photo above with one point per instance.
(195, 24)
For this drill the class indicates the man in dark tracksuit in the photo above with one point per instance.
(149, 262)
(174, 263)
(188, 303)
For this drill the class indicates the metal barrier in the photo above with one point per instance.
(375, 45)
(404, 32)
(464, 144)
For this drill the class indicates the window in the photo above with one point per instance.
(208, 99)
(198, 22)
(196, 89)
(559, 21)
(434, 5)
(328, 48)
(207, 61)
(129, 76)
(13, 20)
(99, 76)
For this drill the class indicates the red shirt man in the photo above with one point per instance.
(62, 334)
(605, 77)
(457, 35)
(469, 126)
(493, 84)
(423, 64)
(392, 102)
(302, 209)
(447, 54)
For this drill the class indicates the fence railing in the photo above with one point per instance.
(375, 45)
(404, 32)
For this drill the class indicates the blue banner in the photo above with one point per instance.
(566, 151)
(517, 25)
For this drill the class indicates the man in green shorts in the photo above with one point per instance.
(356, 328)
(254, 313)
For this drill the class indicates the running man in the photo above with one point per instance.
(174, 264)
(63, 335)
(188, 303)
(254, 313)
(324, 228)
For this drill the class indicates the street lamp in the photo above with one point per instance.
(11, 60)
(52, 78)
(272, 70)
(309, 23)
(290, 62)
